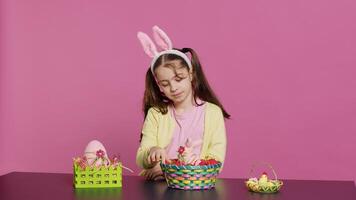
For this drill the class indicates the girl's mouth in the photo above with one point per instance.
(177, 95)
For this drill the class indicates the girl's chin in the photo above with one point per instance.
(175, 101)
(178, 99)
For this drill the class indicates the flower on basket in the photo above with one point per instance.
(115, 161)
(101, 159)
(82, 162)
(100, 154)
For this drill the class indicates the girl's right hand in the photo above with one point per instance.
(155, 155)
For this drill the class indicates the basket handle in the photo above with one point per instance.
(128, 169)
(120, 165)
(263, 163)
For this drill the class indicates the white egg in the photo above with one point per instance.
(90, 153)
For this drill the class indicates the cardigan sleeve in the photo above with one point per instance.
(217, 144)
(149, 138)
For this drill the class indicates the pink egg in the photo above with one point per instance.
(91, 150)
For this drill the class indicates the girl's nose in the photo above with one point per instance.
(173, 87)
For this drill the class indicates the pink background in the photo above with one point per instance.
(72, 71)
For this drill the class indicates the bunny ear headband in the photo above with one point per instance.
(163, 42)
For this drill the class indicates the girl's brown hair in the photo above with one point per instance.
(153, 97)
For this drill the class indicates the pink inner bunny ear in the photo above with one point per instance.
(148, 46)
(161, 38)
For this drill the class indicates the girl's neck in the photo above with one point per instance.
(184, 106)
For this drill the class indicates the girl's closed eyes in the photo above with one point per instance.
(177, 78)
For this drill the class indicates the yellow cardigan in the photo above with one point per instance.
(158, 130)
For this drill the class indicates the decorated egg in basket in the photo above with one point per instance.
(263, 184)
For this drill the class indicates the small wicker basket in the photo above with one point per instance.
(102, 177)
(271, 186)
(188, 177)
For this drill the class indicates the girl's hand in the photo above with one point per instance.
(155, 155)
(155, 173)
(189, 146)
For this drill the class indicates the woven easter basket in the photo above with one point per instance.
(272, 186)
(189, 177)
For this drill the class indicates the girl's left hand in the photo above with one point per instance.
(189, 146)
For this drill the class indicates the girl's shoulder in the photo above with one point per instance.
(212, 108)
(214, 113)
(156, 111)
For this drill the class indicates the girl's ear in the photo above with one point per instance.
(190, 75)
(161, 38)
(148, 46)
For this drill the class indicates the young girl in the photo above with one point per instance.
(180, 108)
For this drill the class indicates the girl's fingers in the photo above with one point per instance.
(156, 172)
(153, 173)
(149, 159)
(157, 157)
(194, 157)
(163, 156)
(147, 175)
(160, 156)
(158, 178)
(190, 160)
(194, 161)
(153, 157)
(150, 176)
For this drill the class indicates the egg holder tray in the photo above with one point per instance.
(97, 177)
(188, 177)
(272, 186)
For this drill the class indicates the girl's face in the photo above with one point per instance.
(174, 81)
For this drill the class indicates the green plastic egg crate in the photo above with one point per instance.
(97, 177)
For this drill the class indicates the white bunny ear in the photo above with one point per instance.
(161, 38)
(148, 46)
